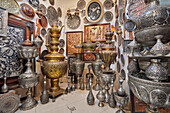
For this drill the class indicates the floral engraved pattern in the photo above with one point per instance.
(9, 61)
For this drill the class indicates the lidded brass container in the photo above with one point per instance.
(54, 65)
(108, 53)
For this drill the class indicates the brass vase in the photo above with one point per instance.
(108, 53)
(54, 64)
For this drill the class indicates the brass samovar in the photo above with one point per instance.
(54, 65)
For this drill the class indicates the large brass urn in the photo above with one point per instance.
(54, 65)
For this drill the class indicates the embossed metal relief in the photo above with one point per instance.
(96, 32)
(8, 53)
(73, 38)
(3, 22)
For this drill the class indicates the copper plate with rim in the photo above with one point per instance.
(27, 11)
(51, 2)
(44, 22)
(59, 12)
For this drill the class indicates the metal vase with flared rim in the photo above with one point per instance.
(4, 88)
(45, 96)
(78, 67)
(96, 66)
(82, 83)
(101, 97)
(112, 101)
(29, 103)
(105, 78)
(90, 97)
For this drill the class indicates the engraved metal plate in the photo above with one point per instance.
(9, 103)
(52, 15)
(108, 15)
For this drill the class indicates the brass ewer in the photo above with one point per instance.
(54, 64)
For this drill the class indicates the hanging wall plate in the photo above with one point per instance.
(43, 32)
(108, 15)
(44, 22)
(73, 22)
(51, 2)
(108, 4)
(59, 12)
(34, 3)
(61, 51)
(116, 24)
(116, 11)
(52, 15)
(118, 54)
(130, 25)
(27, 11)
(94, 11)
(11, 5)
(61, 43)
(123, 74)
(118, 67)
(43, 9)
(81, 4)
(122, 59)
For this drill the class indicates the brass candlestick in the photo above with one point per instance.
(54, 64)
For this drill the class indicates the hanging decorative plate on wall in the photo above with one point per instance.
(44, 22)
(108, 15)
(118, 67)
(122, 59)
(61, 51)
(85, 20)
(94, 11)
(51, 2)
(116, 24)
(123, 74)
(34, 3)
(130, 25)
(59, 12)
(60, 23)
(9, 103)
(116, 11)
(43, 32)
(27, 11)
(61, 43)
(108, 4)
(118, 54)
(81, 4)
(43, 9)
(121, 16)
(52, 15)
(73, 22)
(11, 5)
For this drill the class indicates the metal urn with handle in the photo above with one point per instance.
(54, 64)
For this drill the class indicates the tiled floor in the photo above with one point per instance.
(74, 102)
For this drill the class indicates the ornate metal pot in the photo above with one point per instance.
(156, 71)
(155, 94)
(151, 23)
(54, 64)
(105, 78)
(78, 67)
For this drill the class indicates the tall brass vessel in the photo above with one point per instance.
(54, 64)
